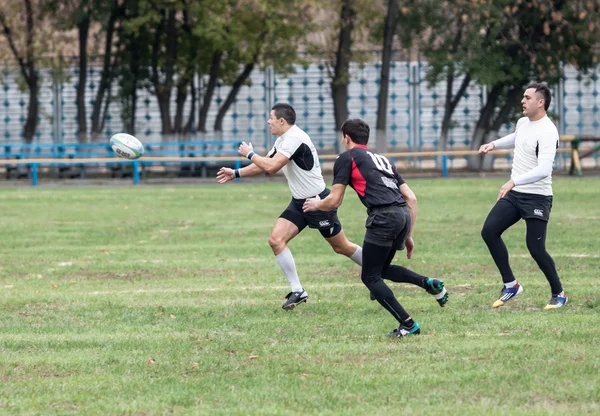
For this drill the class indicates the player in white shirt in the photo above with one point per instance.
(295, 154)
(527, 195)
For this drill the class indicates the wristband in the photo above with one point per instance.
(237, 173)
(251, 154)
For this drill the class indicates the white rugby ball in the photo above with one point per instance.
(126, 146)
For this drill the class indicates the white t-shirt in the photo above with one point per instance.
(532, 173)
(303, 171)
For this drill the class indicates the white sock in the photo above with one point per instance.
(357, 256)
(287, 264)
(511, 284)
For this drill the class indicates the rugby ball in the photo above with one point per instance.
(126, 146)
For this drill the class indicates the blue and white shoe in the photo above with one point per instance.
(507, 294)
(557, 301)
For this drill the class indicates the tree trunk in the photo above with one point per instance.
(450, 105)
(190, 123)
(500, 119)
(27, 66)
(482, 128)
(32, 109)
(163, 95)
(83, 26)
(386, 59)
(235, 88)
(451, 99)
(210, 89)
(180, 99)
(107, 73)
(134, 79)
(163, 89)
(341, 77)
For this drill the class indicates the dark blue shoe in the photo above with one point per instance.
(507, 294)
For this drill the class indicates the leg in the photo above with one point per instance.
(341, 245)
(536, 243)
(282, 233)
(400, 274)
(374, 260)
(501, 217)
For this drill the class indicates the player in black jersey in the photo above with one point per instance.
(392, 210)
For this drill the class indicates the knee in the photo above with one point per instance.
(276, 242)
(536, 249)
(487, 233)
(340, 249)
(369, 279)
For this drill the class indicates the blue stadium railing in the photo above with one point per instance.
(65, 156)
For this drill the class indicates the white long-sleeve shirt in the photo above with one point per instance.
(532, 173)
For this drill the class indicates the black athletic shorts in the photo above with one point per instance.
(530, 205)
(388, 226)
(327, 223)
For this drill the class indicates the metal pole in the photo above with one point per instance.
(445, 166)
(34, 174)
(136, 172)
(269, 102)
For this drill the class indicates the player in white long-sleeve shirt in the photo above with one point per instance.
(527, 195)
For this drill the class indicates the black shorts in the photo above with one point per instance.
(530, 205)
(388, 226)
(327, 223)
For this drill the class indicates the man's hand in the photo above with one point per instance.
(311, 204)
(410, 246)
(225, 175)
(485, 148)
(245, 148)
(506, 189)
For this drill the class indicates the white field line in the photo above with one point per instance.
(270, 287)
(571, 255)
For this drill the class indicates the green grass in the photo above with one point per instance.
(155, 300)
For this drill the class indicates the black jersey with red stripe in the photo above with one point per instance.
(375, 180)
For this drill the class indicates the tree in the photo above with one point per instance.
(501, 45)
(22, 46)
(346, 42)
(343, 56)
(269, 33)
(389, 31)
(109, 64)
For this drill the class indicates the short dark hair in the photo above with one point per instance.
(544, 90)
(285, 111)
(357, 130)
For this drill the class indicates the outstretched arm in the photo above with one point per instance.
(506, 142)
(268, 165)
(227, 174)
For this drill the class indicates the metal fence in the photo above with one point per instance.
(415, 110)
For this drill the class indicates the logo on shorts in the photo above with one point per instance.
(324, 223)
(538, 212)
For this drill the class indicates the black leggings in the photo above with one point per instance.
(500, 218)
(377, 264)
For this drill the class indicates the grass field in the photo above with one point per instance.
(167, 300)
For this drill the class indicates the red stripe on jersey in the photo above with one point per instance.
(358, 180)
